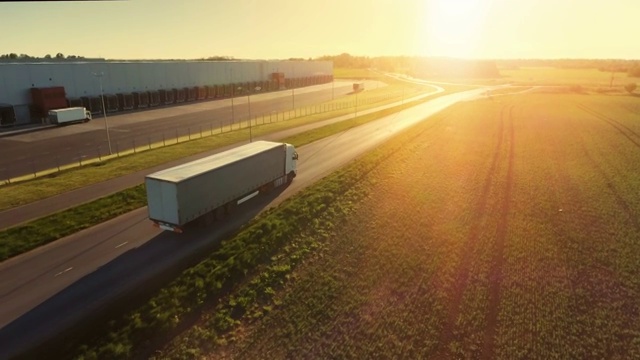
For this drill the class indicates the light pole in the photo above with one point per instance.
(239, 88)
(403, 94)
(356, 115)
(233, 117)
(333, 88)
(104, 112)
(293, 87)
(257, 88)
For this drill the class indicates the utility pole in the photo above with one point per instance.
(293, 87)
(233, 93)
(612, 74)
(104, 112)
(333, 87)
(257, 88)
(356, 114)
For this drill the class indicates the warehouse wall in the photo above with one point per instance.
(78, 80)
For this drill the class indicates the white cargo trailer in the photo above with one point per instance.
(208, 188)
(69, 115)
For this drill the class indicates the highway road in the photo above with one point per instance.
(75, 278)
(48, 148)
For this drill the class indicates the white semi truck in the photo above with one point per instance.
(69, 115)
(208, 188)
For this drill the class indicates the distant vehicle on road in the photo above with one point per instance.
(209, 188)
(358, 87)
(69, 115)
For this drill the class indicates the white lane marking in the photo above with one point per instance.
(63, 271)
(124, 243)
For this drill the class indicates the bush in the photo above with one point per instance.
(630, 87)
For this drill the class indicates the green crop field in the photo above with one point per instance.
(504, 228)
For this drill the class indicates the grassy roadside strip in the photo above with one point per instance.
(510, 90)
(22, 238)
(12, 195)
(254, 262)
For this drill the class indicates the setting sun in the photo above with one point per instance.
(455, 28)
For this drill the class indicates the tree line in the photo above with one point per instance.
(486, 68)
(418, 66)
(48, 57)
(412, 65)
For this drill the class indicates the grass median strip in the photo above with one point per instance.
(22, 238)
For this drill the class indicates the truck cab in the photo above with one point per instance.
(291, 163)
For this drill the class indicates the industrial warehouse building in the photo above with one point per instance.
(29, 90)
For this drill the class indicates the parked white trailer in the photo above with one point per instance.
(69, 115)
(208, 188)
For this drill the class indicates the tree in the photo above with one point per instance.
(48, 56)
(59, 56)
(630, 87)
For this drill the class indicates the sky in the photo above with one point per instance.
(281, 29)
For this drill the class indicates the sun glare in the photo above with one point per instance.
(454, 27)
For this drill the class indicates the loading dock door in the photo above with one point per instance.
(7, 115)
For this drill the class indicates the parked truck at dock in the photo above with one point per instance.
(208, 188)
(69, 115)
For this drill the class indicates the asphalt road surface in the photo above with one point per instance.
(72, 280)
(46, 149)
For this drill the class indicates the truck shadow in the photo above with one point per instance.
(77, 313)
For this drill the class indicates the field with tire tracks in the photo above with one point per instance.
(502, 228)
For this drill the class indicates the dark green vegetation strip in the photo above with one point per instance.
(22, 238)
(295, 228)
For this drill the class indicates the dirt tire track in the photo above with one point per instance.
(615, 124)
(597, 113)
(497, 261)
(462, 272)
(615, 192)
(633, 215)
